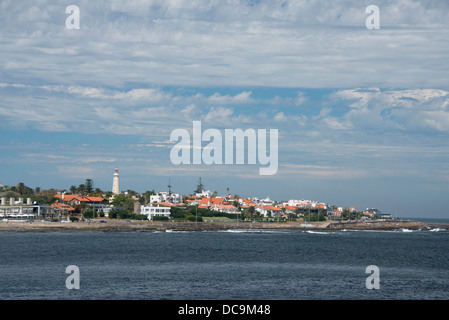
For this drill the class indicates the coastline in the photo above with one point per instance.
(151, 226)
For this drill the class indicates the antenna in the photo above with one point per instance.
(169, 187)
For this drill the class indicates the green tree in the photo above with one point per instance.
(199, 187)
(251, 212)
(147, 194)
(22, 189)
(89, 186)
(73, 189)
(82, 189)
(122, 200)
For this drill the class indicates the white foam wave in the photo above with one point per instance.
(317, 232)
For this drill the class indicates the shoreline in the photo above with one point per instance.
(151, 226)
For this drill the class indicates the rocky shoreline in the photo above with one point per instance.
(150, 226)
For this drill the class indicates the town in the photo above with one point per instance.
(84, 203)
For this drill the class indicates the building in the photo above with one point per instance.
(268, 211)
(206, 203)
(76, 199)
(204, 193)
(166, 197)
(155, 211)
(116, 182)
(226, 208)
(19, 210)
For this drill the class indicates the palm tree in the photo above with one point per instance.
(82, 189)
(21, 188)
(251, 211)
(73, 189)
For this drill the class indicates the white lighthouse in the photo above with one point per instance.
(115, 183)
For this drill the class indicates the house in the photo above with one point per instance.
(290, 209)
(206, 203)
(155, 211)
(226, 208)
(62, 207)
(72, 199)
(166, 196)
(267, 210)
(204, 194)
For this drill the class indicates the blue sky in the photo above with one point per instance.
(363, 115)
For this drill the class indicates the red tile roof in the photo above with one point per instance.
(208, 202)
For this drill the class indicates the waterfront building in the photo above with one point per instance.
(206, 203)
(155, 211)
(226, 208)
(17, 209)
(166, 197)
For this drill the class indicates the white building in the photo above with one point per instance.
(301, 203)
(155, 211)
(204, 194)
(267, 201)
(166, 197)
(226, 208)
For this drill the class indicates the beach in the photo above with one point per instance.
(152, 226)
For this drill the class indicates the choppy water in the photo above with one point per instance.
(225, 265)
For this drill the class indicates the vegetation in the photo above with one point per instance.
(123, 201)
(124, 214)
(199, 187)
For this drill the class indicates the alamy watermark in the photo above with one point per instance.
(190, 150)
(373, 280)
(73, 280)
(373, 20)
(73, 20)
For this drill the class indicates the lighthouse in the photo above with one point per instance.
(115, 183)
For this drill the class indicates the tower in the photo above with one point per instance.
(115, 183)
(169, 187)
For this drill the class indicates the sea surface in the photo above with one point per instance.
(255, 265)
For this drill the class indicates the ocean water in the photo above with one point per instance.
(281, 265)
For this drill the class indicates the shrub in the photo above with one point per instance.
(160, 218)
(193, 218)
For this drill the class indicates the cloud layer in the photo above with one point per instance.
(226, 43)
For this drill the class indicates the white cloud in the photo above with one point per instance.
(225, 43)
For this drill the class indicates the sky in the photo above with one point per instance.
(362, 115)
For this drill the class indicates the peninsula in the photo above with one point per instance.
(154, 226)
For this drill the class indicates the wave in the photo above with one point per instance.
(317, 232)
(252, 231)
(177, 231)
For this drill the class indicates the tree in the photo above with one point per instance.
(89, 186)
(122, 200)
(199, 187)
(251, 211)
(147, 195)
(22, 189)
(73, 189)
(82, 189)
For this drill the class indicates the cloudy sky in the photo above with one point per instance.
(363, 115)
